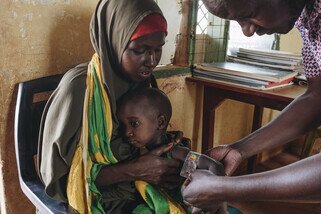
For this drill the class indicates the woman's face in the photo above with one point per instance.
(142, 55)
(259, 16)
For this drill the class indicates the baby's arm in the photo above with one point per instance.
(204, 162)
(180, 152)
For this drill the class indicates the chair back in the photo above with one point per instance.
(29, 107)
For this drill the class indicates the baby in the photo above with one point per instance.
(144, 115)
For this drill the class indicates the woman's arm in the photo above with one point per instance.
(149, 167)
(296, 182)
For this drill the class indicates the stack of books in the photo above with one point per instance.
(259, 69)
(268, 58)
(244, 75)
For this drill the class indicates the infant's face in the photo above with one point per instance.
(140, 125)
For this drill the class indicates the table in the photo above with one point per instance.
(216, 92)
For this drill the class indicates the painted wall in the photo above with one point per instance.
(37, 38)
(291, 41)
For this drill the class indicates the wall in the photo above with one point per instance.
(37, 38)
(291, 41)
(186, 99)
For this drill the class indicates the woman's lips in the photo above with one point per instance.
(146, 73)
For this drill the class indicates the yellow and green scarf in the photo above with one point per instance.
(156, 201)
(93, 152)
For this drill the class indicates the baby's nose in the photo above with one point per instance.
(129, 134)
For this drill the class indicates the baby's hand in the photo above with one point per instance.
(177, 137)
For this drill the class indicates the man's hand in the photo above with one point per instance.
(201, 190)
(230, 158)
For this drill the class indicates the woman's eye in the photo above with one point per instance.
(139, 52)
(134, 124)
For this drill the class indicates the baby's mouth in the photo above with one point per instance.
(135, 143)
(132, 142)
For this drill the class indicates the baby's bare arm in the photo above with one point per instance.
(205, 162)
(180, 153)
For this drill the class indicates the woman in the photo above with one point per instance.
(126, 54)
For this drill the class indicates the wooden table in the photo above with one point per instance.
(216, 92)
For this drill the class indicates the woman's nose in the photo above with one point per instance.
(248, 28)
(151, 58)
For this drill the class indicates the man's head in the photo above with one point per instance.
(259, 16)
(144, 114)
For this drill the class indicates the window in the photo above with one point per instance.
(236, 39)
(216, 37)
(211, 36)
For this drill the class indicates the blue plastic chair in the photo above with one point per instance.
(27, 121)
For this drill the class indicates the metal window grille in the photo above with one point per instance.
(210, 39)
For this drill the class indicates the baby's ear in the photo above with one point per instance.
(162, 121)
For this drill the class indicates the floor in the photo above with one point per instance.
(277, 207)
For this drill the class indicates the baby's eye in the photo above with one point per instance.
(134, 124)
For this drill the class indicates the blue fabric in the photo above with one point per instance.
(233, 210)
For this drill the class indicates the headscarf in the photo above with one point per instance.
(121, 18)
(150, 24)
(112, 25)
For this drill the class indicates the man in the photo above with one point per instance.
(296, 182)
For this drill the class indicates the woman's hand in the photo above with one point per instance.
(229, 157)
(201, 188)
(157, 170)
(149, 167)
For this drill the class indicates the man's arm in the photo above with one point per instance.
(302, 115)
(298, 182)
(296, 119)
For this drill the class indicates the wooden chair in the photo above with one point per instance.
(27, 120)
